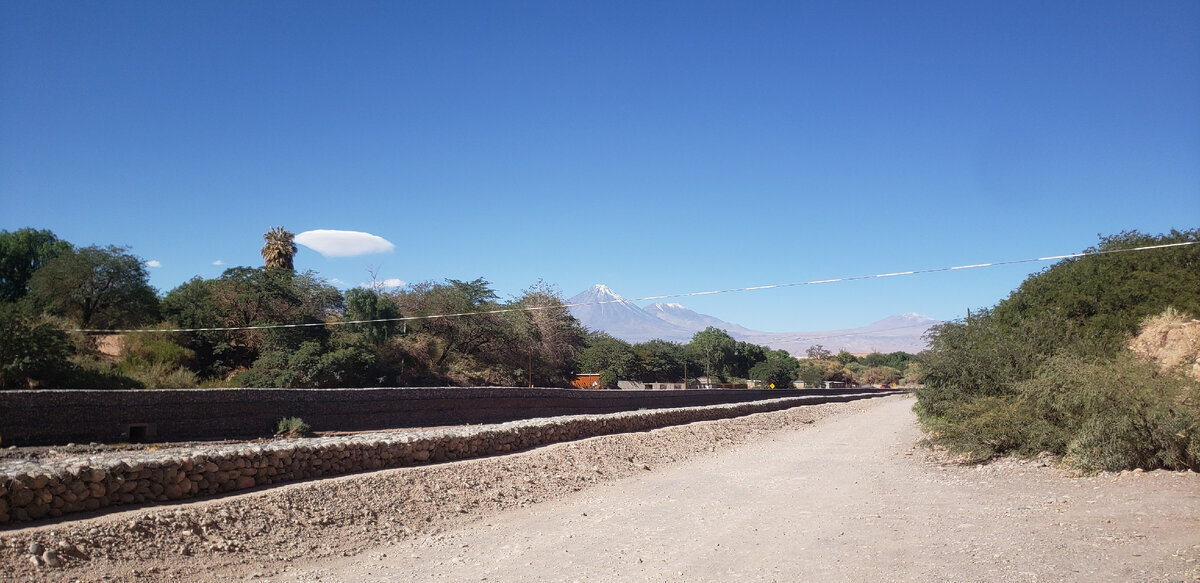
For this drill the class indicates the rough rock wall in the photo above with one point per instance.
(58, 417)
(31, 491)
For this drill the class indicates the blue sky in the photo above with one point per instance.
(656, 147)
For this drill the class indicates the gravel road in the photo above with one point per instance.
(836, 492)
(846, 499)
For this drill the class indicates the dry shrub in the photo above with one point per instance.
(990, 427)
(163, 376)
(292, 427)
(1119, 414)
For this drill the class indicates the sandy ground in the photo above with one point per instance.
(835, 492)
(848, 499)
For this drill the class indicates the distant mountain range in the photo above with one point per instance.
(601, 308)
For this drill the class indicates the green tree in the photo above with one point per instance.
(244, 298)
(34, 352)
(601, 352)
(96, 287)
(845, 357)
(778, 369)
(279, 248)
(445, 345)
(608, 379)
(313, 365)
(663, 362)
(1101, 300)
(553, 336)
(715, 349)
(364, 305)
(812, 374)
(23, 252)
(745, 357)
(461, 335)
(878, 375)
(896, 360)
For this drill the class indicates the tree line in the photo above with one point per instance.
(713, 353)
(49, 286)
(272, 326)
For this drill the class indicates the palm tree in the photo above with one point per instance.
(279, 248)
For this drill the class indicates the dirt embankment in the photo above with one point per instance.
(1172, 340)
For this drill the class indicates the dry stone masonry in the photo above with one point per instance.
(31, 491)
(55, 417)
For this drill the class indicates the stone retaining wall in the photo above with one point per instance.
(58, 417)
(30, 491)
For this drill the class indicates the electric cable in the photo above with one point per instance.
(647, 298)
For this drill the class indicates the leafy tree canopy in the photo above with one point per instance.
(23, 252)
(716, 350)
(96, 287)
(245, 297)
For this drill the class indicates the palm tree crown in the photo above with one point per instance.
(279, 248)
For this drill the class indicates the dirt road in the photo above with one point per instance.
(848, 498)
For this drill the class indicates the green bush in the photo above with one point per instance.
(1049, 368)
(1120, 414)
(292, 427)
(989, 427)
(1114, 414)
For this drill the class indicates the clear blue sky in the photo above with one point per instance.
(657, 147)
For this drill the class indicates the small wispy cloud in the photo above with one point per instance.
(333, 243)
(154, 263)
(218, 262)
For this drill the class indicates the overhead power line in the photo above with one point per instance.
(650, 298)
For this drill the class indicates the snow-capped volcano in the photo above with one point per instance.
(600, 308)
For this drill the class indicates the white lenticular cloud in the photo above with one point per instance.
(218, 262)
(331, 243)
(154, 263)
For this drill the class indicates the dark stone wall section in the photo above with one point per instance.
(59, 417)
